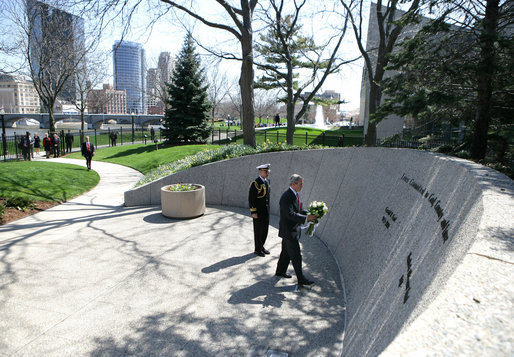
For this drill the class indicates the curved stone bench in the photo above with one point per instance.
(424, 242)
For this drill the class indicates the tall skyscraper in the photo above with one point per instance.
(165, 67)
(130, 74)
(57, 47)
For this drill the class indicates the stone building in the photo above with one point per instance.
(107, 101)
(18, 95)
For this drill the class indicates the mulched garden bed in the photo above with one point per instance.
(12, 214)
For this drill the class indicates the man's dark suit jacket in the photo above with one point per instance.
(291, 217)
(87, 153)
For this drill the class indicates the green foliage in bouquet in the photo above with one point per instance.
(319, 209)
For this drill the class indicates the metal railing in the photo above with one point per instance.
(227, 136)
(10, 149)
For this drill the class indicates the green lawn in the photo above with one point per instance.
(45, 181)
(141, 157)
(307, 136)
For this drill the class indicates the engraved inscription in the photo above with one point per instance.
(390, 216)
(407, 279)
(435, 203)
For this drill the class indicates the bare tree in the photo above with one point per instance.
(266, 104)
(52, 44)
(238, 23)
(286, 52)
(390, 24)
(87, 75)
(236, 103)
(218, 88)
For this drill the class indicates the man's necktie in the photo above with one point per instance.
(299, 203)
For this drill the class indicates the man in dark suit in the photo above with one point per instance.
(292, 217)
(88, 151)
(69, 141)
(258, 199)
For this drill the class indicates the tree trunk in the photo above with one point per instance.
(82, 121)
(374, 101)
(291, 122)
(485, 75)
(246, 81)
(51, 119)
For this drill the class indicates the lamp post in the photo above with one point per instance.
(132, 128)
(4, 137)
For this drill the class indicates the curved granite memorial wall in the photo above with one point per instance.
(400, 222)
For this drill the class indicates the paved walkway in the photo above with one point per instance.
(91, 277)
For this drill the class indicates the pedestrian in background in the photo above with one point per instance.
(88, 151)
(47, 144)
(56, 141)
(37, 143)
(69, 141)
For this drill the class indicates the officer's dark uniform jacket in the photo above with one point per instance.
(258, 196)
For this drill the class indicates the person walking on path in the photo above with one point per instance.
(292, 216)
(69, 141)
(88, 151)
(258, 199)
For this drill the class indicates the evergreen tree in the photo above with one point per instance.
(186, 119)
(440, 78)
(287, 52)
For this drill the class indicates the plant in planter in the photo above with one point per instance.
(183, 200)
(183, 187)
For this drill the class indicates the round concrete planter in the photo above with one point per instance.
(183, 204)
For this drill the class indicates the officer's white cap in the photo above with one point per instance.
(263, 167)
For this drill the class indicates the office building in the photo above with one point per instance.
(130, 74)
(18, 95)
(165, 67)
(107, 101)
(392, 124)
(56, 37)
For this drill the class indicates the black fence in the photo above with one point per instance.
(226, 136)
(413, 144)
(71, 141)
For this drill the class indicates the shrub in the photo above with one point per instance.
(2, 211)
(222, 153)
(443, 149)
(19, 202)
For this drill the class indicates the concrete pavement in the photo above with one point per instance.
(92, 277)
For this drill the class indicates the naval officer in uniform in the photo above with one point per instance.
(258, 199)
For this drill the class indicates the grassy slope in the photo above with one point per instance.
(143, 158)
(45, 181)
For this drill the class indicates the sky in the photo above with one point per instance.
(167, 34)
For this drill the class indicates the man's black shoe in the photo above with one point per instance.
(305, 282)
(265, 251)
(260, 254)
(284, 275)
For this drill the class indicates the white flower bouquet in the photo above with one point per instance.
(319, 209)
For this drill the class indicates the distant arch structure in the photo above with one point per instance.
(92, 120)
